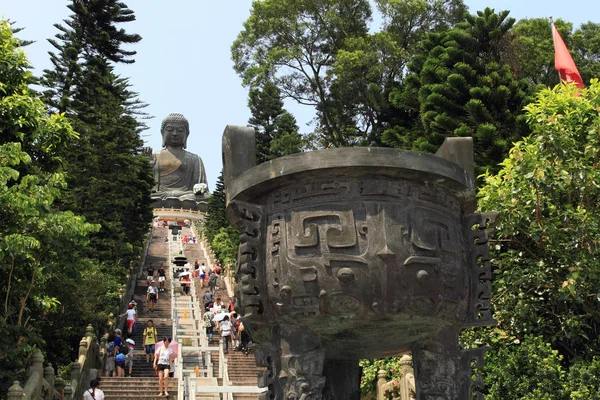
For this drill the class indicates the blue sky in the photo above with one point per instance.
(183, 62)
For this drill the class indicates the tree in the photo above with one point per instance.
(223, 238)
(39, 245)
(465, 88)
(109, 180)
(547, 247)
(294, 43)
(276, 130)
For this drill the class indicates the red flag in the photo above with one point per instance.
(563, 62)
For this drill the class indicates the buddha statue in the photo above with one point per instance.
(179, 176)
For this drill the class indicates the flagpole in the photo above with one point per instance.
(552, 28)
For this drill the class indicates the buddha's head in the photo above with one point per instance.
(175, 130)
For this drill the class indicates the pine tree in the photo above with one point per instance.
(276, 130)
(109, 180)
(465, 87)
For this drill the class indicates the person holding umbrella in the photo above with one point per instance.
(184, 279)
(162, 364)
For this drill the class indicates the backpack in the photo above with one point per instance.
(150, 333)
(110, 348)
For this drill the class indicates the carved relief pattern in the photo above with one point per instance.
(250, 271)
(479, 311)
(403, 257)
(302, 375)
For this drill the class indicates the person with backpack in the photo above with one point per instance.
(208, 323)
(212, 282)
(110, 351)
(149, 339)
(93, 393)
(121, 359)
(226, 327)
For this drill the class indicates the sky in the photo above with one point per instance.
(183, 62)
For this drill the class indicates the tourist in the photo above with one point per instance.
(121, 359)
(209, 323)
(152, 296)
(207, 299)
(118, 339)
(235, 335)
(218, 306)
(150, 275)
(162, 276)
(110, 351)
(196, 269)
(185, 284)
(244, 338)
(130, 318)
(93, 393)
(130, 355)
(218, 269)
(225, 326)
(162, 364)
(231, 305)
(212, 282)
(149, 339)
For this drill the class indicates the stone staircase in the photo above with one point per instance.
(242, 369)
(143, 384)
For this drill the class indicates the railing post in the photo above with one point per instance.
(59, 384)
(15, 392)
(68, 392)
(380, 382)
(37, 365)
(49, 375)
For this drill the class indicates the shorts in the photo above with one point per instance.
(152, 297)
(149, 278)
(161, 278)
(110, 363)
(130, 323)
(149, 349)
(202, 276)
(129, 363)
(120, 364)
(162, 367)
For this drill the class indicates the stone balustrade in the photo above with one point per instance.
(401, 388)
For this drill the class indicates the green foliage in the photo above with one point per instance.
(546, 253)
(529, 370)
(39, 245)
(293, 43)
(465, 88)
(370, 370)
(276, 130)
(223, 238)
(109, 180)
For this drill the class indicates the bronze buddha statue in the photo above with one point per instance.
(179, 176)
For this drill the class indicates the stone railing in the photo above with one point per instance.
(401, 388)
(43, 384)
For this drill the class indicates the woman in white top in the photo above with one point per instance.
(162, 364)
(131, 313)
(93, 393)
(225, 333)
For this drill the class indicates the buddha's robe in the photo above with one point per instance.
(176, 176)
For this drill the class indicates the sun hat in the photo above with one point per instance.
(118, 331)
(130, 341)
